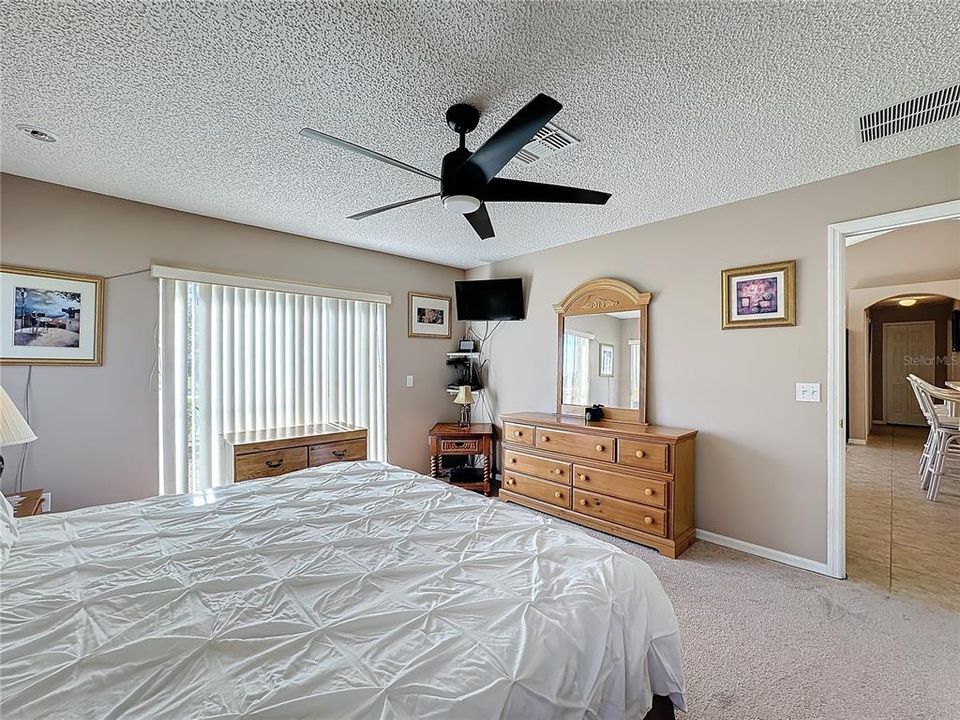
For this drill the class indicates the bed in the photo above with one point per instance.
(353, 590)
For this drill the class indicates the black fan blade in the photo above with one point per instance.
(480, 221)
(391, 206)
(506, 142)
(504, 190)
(344, 145)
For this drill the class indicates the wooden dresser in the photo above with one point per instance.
(265, 453)
(629, 480)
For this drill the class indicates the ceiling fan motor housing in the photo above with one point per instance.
(460, 185)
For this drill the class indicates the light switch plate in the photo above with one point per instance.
(409, 380)
(808, 392)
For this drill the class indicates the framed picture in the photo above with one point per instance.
(606, 360)
(428, 315)
(760, 295)
(50, 318)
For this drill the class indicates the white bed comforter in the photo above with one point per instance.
(355, 590)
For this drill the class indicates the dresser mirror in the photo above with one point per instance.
(602, 350)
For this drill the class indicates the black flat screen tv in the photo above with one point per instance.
(500, 299)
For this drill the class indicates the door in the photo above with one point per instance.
(908, 347)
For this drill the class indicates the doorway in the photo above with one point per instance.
(839, 237)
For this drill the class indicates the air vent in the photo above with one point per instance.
(924, 110)
(549, 141)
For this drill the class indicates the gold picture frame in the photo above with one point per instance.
(760, 295)
(45, 317)
(429, 316)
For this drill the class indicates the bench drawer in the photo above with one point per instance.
(269, 463)
(341, 451)
(571, 443)
(626, 487)
(542, 490)
(622, 512)
(544, 468)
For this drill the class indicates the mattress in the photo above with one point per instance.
(354, 590)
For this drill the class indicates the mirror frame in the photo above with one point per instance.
(598, 297)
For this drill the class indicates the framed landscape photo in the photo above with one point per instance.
(606, 360)
(429, 315)
(50, 318)
(760, 295)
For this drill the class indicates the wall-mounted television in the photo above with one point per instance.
(500, 299)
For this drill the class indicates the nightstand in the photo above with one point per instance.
(474, 441)
(30, 503)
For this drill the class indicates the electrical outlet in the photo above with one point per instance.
(808, 392)
(409, 380)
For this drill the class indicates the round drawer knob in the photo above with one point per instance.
(558, 494)
(584, 502)
(511, 481)
(583, 477)
(558, 471)
(648, 491)
(513, 459)
(517, 433)
(545, 438)
(599, 448)
(639, 453)
(647, 520)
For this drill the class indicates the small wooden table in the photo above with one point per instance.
(30, 503)
(451, 439)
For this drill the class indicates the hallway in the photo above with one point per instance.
(898, 540)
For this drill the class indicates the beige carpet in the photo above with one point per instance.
(764, 641)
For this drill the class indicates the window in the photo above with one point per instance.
(239, 358)
(634, 373)
(576, 368)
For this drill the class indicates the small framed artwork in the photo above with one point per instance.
(760, 295)
(50, 318)
(429, 315)
(606, 360)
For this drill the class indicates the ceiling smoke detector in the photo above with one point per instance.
(37, 133)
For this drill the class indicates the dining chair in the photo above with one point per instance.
(927, 454)
(945, 435)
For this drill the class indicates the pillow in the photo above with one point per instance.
(9, 530)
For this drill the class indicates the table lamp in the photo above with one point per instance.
(464, 399)
(13, 428)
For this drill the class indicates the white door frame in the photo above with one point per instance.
(839, 237)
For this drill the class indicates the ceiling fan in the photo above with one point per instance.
(468, 179)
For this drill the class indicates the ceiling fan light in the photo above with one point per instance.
(463, 204)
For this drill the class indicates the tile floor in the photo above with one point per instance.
(898, 540)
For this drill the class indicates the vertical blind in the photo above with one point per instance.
(576, 368)
(234, 359)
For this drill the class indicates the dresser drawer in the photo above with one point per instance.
(537, 466)
(621, 512)
(571, 443)
(269, 463)
(627, 487)
(332, 452)
(542, 490)
(518, 434)
(644, 454)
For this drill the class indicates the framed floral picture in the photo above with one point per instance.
(429, 315)
(760, 295)
(50, 318)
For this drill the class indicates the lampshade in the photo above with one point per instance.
(464, 395)
(13, 428)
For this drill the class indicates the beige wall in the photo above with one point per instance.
(929, 252)
(97, 427)
(761, 456)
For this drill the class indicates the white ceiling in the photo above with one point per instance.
(679, 106)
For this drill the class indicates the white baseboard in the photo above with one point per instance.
(764, 552)
(856, 441)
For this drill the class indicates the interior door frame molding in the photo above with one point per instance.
(839, 237)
